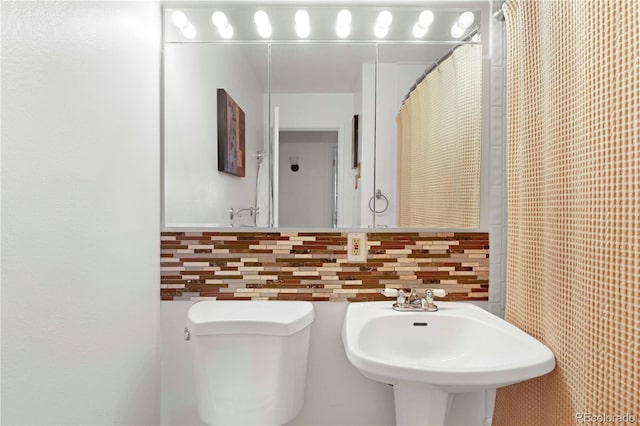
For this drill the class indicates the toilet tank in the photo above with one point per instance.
(249, 360)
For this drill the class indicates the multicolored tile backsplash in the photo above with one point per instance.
(313, 265)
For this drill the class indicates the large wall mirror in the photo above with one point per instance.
(365, 119)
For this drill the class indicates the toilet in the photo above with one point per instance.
(249, 360)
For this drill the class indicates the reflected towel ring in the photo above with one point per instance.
(379, 196)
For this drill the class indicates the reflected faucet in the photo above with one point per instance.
(233, 213)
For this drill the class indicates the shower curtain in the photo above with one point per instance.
(573, 268)
(439, 145)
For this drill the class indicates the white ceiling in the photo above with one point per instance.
(319, 68)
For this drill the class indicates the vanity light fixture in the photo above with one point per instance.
(262, 22)
(383, 23)
(303, 29)
(181, 21)
(343, 26)
(422, 26)
(464, 22)
(221, 22)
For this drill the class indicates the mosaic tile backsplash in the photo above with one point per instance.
(313, 265)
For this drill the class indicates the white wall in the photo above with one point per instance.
(80, 198)
(368, 148)
(306, 195)
(195, 191)
(325, 111)
(386, 144)
(356, 193)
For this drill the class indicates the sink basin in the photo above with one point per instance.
(427, 356)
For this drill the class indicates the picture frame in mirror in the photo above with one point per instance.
(231, 135)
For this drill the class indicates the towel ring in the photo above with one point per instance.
(379, 196)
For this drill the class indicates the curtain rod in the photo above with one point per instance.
(438, 61)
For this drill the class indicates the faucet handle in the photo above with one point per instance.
(427, 302)
(392, 292)
(434, 292)
(438, 292)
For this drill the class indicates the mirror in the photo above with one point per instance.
(318, 90)
(428, 143)
(196, 193)
(311, 136)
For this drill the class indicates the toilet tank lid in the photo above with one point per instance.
(276, 318)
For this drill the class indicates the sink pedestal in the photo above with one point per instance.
(418, 404)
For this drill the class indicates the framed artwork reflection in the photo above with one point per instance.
(231, 158)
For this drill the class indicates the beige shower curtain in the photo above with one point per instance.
(573, 270)
(439, 145)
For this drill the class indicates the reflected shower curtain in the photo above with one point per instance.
(439, 132)
(573, 271)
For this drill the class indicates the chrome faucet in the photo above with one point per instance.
(415, 302)
(233, 212)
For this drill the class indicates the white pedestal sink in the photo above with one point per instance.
(428, 356)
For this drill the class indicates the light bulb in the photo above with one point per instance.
(261, 18)
(422, 26)
(226, 32)
(219, 19)
(343, 27)
(189, 31)
(343, 31)
(457, 31)
(179, 19)
(385, 18)
(466, 19)
(262, 21)
(302, 18)
(419, 31)
(265, 30)
(344, 18)
(426, 18)
(303, 30)
(380, 32)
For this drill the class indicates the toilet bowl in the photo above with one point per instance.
(249, 360)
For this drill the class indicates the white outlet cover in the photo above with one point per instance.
(362, 257)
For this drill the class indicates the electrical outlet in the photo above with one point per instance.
(357, 247)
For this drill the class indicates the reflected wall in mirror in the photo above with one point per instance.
(195, 192)
(299, 97)
(318, 89)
